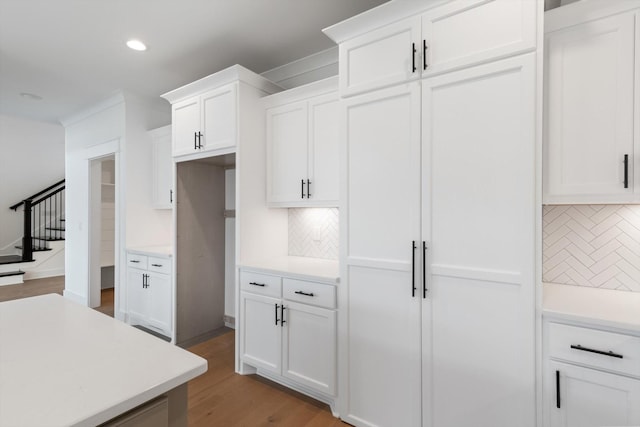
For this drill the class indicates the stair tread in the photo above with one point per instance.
(11, 273)
(10, 259)
(49, 239)
(36, 249)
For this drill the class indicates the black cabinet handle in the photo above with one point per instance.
(200, 139)
(413, 268)
(413, 56)
(590, 350)
(424, 54)
(145, 281)
(307, 294)
(626, 171)
(308, 189)
(302, 188)
(170, 196)
(282, 321)
(424, 269)
(195, 140)
(156, 265)
(135, 261)
(277, 306)
(257, 284)
(558, 389)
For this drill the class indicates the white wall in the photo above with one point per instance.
(117, 125)
(309, 69)
(31, 159)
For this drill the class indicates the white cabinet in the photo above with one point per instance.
(457, 34)
(206, 122)
(592, 377)
(149, 292)
(162, 168)
(302, 146)
(438, 267)
(590, 126)
(206, 118)
(288, 328)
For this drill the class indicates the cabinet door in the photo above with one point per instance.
(138, 298)
(479, 225)
(380, 58)
(589, 111)
(160, 298)
(589, 398)
(309, 346)
(467, 32)
(186, 125)
(287, 153)
(261, 331)
(324, 138)
(381, 335)
(218, 118)
(162, 175)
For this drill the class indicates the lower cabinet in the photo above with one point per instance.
(591, 377)
(149, 293)
(288, 328)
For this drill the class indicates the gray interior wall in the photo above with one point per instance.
(200, 255)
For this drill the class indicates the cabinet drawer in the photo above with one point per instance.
(161, 265)
(137, 261)
(263, 284)
(309, 292)
(600, 349)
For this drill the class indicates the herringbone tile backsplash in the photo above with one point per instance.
(314, 232)
(592, 245)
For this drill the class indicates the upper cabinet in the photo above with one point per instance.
(162, 168)
(591, 132)
(205, 112)
(432, 43)
(302, 146)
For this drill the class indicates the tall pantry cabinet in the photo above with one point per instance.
(438, 214)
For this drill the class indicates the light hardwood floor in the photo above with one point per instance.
(219, 397)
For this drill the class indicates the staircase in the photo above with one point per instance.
(41, 251)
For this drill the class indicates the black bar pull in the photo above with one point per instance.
(626, 171)
(413, 56)
(195, 140)
(199, 139)
(257, 284)
(170, 196)
(307, 294)
(424, 269)
(135, 261)
(144, 281)
(156, 265)
(302, 188)
(424, 54)
(590, 350)
(413, 268)
(308, 189)
(277, 314)
(282, 321)
(558, 389)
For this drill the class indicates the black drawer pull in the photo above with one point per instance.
(257, 284)
(308, 294)
(134, 261)
(156, 265)
(590, 350)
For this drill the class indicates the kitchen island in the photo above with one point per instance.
(63, 364)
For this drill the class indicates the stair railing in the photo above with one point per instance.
(42, 218)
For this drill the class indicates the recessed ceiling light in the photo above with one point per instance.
(136, 45)
(31, 96)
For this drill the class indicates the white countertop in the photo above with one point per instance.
(303, 268)
(600, 307)
(63, 364)
(162, 251)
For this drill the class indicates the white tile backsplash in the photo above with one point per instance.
(314, 232)
(592, 245)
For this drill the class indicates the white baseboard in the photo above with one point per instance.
(80, 299)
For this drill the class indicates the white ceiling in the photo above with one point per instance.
(72, 53)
